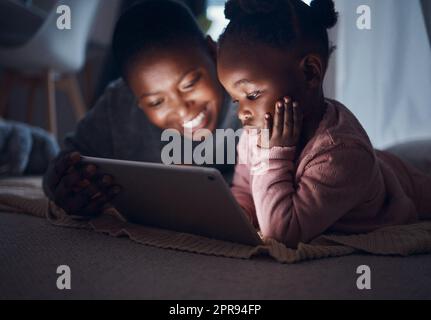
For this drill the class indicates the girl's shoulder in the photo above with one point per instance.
(339, 129)
(340, 126)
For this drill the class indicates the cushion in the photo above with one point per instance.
(416, 153)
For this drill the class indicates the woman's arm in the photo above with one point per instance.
(78, 189)
(93, 136)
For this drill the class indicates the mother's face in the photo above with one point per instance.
(177, 87)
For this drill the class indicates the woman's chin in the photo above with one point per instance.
(198, 134)
(203, 131)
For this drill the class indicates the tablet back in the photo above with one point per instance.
(182, 198)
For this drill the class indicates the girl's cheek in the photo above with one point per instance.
(267, 105)
(163, 118)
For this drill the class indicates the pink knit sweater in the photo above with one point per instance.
(338, 183)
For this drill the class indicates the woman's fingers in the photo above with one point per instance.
(66, 184)
(73, 198)
(103, 181)
(86, 201)
(58, 168)
(96, 205)
(73, 180)
(65, 162)
(91, 192)
(89, 171)
(80, 189)
(288, 117)
(74, 191)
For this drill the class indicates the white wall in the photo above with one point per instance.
(384, 74)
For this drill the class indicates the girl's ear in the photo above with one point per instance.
(313, 70)
(212, 48)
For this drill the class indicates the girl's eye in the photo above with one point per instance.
(254, 95)
(191, 84)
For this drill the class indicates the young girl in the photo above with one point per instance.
(169, 82)
(323, 173)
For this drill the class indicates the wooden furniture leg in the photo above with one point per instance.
(52, 112)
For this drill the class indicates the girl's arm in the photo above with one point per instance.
(242, 192)
(241, 188)
(331, 185)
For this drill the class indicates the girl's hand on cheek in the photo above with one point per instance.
(284, 128)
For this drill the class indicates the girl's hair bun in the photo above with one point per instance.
(324, 11)
(240, 8)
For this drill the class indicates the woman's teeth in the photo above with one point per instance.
(196, 121)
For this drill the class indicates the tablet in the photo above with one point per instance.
(187, 199)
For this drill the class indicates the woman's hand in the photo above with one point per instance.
(284, 128)
(78, 189)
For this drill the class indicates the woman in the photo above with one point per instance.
(169, 81)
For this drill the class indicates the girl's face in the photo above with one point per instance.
(257, 77)
(177, 88)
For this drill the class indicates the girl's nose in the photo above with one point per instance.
(245, 116)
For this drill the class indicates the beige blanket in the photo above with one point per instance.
(25, 196)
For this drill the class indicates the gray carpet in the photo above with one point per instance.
(110, 268)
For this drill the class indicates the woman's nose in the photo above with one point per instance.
(182, 110)
(182, 107)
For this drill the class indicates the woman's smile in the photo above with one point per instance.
(199, 121)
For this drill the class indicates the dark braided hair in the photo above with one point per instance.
(281, 23)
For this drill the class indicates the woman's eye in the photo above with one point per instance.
(190, 84)
(254, 95)
(155, 103)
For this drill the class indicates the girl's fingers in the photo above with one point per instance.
(288, 117)
(265, 134)
(270, 123)
(277, 130)
(297, 120)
